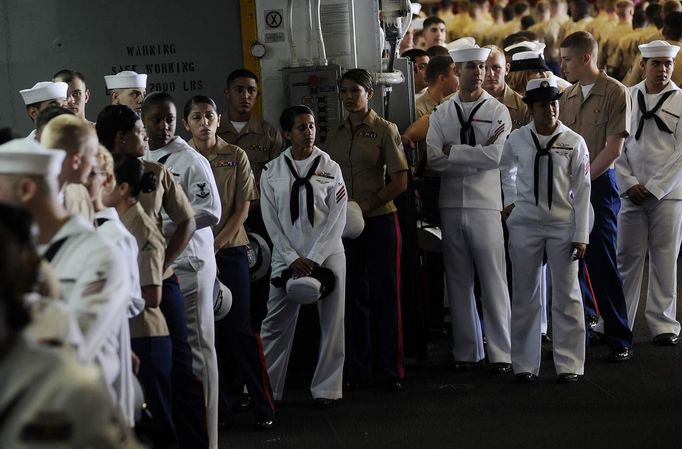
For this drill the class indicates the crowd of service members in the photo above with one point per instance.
(120, 234)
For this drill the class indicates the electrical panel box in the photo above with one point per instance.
(317, 88)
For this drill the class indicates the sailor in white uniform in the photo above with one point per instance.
(91, 272)
(546, 180)
(649, 174)
(41, 96)
(464, 145)
(196, 266)
(303, 199)
(127, 88)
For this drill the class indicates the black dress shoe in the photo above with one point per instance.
(620, 355)
(546, 338)
(460, 366)
(223, 424)
(394, 385)
(568, 378)
(243, 403)
(500, 368)
(596, 338)
(525, 378)
(590, 321)
(324, 403)
(266, 423)
(666, 339)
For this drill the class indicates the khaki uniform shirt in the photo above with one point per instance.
(366, 154)
(235, 182)
(455, 25)
(261, 141)
(571, 27)
(518, 110)
(77, 201)
(548, 32)
(605, 112)
(600, 26)
(608, 46)
(425, 104)
(169, 196)
(636, 72)
(152, 247)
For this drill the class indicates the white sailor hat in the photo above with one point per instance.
(528, 60)
(417, 24)
(310, 289)
(541, 89)
(467, 53)
(222, 300)
(44, 91)
(355, 224)
(126, 80)
(659, 49)
(526, 46)
(415, 8)
(28, 157)
(460, 43)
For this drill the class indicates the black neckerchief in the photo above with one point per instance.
(646, 115)
(466, 134)
(550, 166)
(302, 182)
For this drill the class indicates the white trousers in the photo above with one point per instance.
(654, 227)
(527, 242)
(277, 333)
(474, 236)
(197, 278)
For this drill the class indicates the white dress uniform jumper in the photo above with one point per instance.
(653, 158)
(196, 266)
(470, 203)
(551, 194)
(305, 217)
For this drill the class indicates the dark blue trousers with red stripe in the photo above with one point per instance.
(234, 333)
(600, 258)
(373, 300)
(189, 407)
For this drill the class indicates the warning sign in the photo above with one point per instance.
(273, 18)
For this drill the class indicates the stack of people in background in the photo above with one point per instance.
(540, 167)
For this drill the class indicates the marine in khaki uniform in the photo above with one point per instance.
(598, 108)
(235, 341)
(368, 149)
(442, 81)
(261, 141)
(496, 68)
(461, 20)
(605, 21)
(120, 130)
(608, 57)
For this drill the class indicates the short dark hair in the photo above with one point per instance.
(672, 26)
(288, 117)
(521, 7)
(413, 53)
(527, 22)
(440, 65)
(7, 134)
(156, 98)
(240, 73)
(360, 76)
(112, 119)
(582, 9)
(653, 14)
(68, 75)
(437, 50)
(129, 169)
(197, 99)
(48, 114)
(508, 13)
(581, 41)
(432, 20)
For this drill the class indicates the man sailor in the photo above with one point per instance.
(127, 88)
(649, 174)
(41, 96)
(464, 144)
